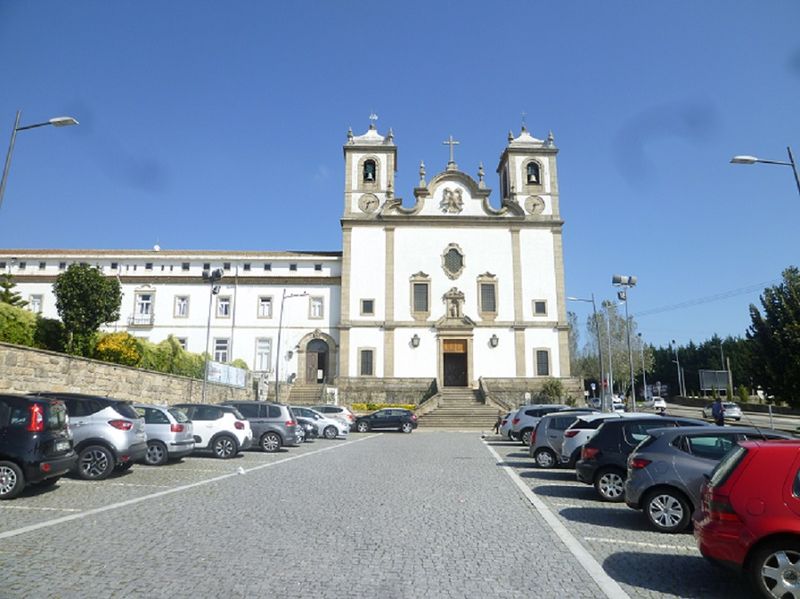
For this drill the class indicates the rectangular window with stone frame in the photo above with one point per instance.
(367, 307)
(263, 361)
(542, 362)
(487, 297)
(316, 307)
(539, 307)
(181, 306)
(35, 304)
(420, 296)
(366, 362)
(221, 349)
(223, 306)
(265, 306)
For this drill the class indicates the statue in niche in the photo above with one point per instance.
(452, 201)
(454, 300)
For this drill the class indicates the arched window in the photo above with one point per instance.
(532, 174)
(369, 171)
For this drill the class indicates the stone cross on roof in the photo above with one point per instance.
(451, 142)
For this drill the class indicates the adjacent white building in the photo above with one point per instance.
(454, 286)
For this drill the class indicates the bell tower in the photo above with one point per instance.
(527, 173)
(370, 163)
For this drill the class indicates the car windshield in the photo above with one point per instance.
(179, 415)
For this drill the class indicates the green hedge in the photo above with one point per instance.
(17, 325)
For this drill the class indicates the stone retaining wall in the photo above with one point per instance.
(510, 393)
(383, 390)
(25, 370)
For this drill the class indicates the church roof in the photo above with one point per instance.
(370, 138)
(524, 139)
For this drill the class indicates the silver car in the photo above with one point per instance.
(667, 469)
(169, 433)
(329, 427)
(548, 436)
(732, 411)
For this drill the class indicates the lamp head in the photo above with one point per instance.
(744, 160)
(625, 280)
(494, 341)
(63, 121)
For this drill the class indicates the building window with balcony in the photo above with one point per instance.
(181, 306)
(263, 354)
(316, 307)
(221, 349)
(265, 306)
(143, 309)
(223, 306)
(35, 304)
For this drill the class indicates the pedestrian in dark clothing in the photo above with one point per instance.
(498, 422)
(718, 412)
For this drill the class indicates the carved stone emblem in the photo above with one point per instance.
(534, 205)
(451, 201)
(454, 299)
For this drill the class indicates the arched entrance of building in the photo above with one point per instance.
(316, 362)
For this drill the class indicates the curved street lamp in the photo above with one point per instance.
(59, 121)
(754, 160)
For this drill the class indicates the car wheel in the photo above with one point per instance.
(526, 437)
(95, 462)
(545, 458)
(362, 427)
(774, 569)
(407, 427)
(667, 510)
(224, 447)
(610, 484)
(330, 432)
(156, 453)
(12, 481)
(270, 442)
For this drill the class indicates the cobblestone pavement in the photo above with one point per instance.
(430, 514)
(644, 562)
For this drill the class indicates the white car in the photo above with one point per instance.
(330, 428)
(221, 429)
(505, 427)
(732, 411)
(333, 411)
(583, 429)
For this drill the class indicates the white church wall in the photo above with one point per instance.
(541, 339)
(491, 361)
(367, 271)
(538, 280)
(366, 338)
(415, 362)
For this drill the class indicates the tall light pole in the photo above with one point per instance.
(599, 344)
(627, 282)
(754, 160)
(644, 372)
(61, 121)
(677, 361)
(278, 349)
(212, 278)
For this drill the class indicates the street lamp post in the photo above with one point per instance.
(627, 282)
(599, 344)
(212, 278)
(61, 121)
(754, 160)
(644, 373)
(278, 348)
(677, 361)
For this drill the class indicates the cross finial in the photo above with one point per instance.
(372, 117)
(524, 123)
(451, 142)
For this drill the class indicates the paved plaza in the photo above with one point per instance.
(431, 514)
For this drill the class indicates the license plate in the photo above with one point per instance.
(62, 445)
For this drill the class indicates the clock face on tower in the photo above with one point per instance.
(368, 203)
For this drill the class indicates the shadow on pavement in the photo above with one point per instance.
(688, 576)
(606, 516)
(563, 475)
(565, 491)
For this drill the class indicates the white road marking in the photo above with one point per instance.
(44, 509)
(114, 506)
(608, 585)
(641, 544)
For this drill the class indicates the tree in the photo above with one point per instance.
(85, 301)
(575, 365)
(775, 334)
(7, 293)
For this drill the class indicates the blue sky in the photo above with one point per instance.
(219, 125)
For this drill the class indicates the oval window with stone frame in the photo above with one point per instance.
(453, 261)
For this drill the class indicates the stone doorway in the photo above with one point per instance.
(316, 362)
(454, 362)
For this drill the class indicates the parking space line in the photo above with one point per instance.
(114, 506)
(43, 509)
(641, 544)
(608, 585)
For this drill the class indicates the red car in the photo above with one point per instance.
(749, 516)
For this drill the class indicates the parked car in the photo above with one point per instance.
(342, 412)
(732, 411)
(308, 427)
(548, 436)
(617, 404)
(667, 469)
(505, 425)
(526, 418)
(388, 418)
(329, 427)
(583, 429)
(749, 515)
(221, 429)
(273, 424)
(169, 433)
(35, 443)
(108, 433)
(604, 458)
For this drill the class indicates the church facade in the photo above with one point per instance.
(450, 288)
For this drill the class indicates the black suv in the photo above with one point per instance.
(274, 424)
(604, 458)
(35, 444)
(389, 418)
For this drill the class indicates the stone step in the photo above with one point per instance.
(305, 395)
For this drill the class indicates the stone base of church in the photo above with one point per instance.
(384, 390)
(513, 392)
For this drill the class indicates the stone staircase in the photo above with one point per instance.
(459, 408)
(305, 395)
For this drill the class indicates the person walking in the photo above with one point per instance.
(718, 412)
(498, 422)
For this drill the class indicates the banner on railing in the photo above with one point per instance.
(226, 374)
